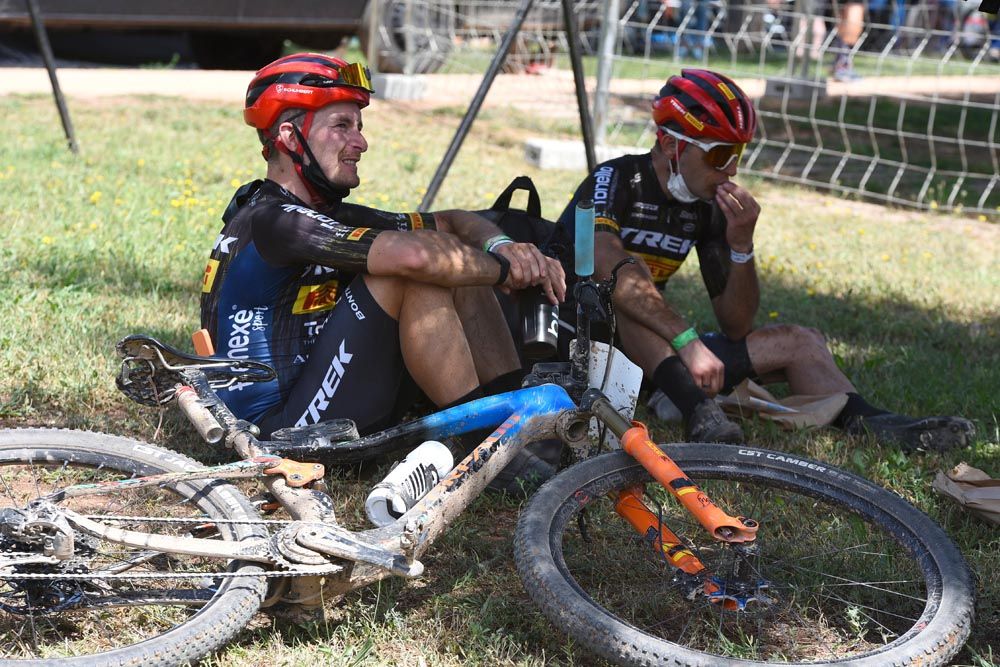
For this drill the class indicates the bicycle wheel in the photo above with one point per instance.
(842, 569)
(110, 604)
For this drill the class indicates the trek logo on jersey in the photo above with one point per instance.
(331, 381)
(222, 243)
(314, 298)
(651, 239)
(602, 182)
(208, 278)
(357, 233)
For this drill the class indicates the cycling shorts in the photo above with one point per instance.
(355, 369)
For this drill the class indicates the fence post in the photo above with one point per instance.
(609, 40)
(43, 45)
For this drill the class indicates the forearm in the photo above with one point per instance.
(472, 228)
(737, 306)
(636, 296)
(431, 257)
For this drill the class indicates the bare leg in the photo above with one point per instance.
(643, 346)
(492, 347)
(431, 337)
(798, 355)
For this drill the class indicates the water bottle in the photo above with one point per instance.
(539, 324)
(408, 482)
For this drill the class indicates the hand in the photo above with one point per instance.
(741, 211)
(706, 368)
(528, 266)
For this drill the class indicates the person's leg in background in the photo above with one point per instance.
(850, 24)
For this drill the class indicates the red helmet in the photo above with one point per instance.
(308, 81)
(704, 104)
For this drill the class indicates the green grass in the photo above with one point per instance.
(114, 241)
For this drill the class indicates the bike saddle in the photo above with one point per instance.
(151, 370)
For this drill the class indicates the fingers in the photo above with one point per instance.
(528, 266)
(707, 369)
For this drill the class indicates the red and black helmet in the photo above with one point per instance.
(307, 81)
(703, 104)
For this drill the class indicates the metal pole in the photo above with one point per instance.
(475, 105)
(43, 45)
(408, 38)
(609, 39)
(373, 34)
(581, 92)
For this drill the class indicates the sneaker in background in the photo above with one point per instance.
(710, 424)
(663, 408)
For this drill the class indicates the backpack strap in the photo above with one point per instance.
(520, 183)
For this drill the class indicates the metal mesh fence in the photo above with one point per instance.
(906, 114)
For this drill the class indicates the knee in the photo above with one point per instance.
(795, 336)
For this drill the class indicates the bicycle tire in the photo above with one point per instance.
(33, 462)
(573, 580)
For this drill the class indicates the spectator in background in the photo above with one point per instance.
(850, 24)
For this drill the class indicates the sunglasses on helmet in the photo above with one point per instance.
(718, 154)
(355, 75)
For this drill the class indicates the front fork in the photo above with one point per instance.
(740, 532)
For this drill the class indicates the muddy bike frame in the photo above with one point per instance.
(329, 559)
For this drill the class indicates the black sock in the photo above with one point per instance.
(674, 379)
(856, 407)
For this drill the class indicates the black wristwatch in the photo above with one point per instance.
(504, 266)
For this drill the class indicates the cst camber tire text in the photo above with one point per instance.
(61, 457)
(597, 591)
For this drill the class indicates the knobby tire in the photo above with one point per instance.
(844, 571)
(34, 462)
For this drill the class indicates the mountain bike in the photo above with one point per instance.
(115, 551)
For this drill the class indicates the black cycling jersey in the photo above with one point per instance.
(629, 202)
(276, 271)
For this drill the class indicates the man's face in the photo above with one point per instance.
(336, 140)
(703, 179)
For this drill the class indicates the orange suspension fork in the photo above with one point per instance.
(647, 523)
(636, 442)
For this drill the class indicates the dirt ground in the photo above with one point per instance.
(550, 92)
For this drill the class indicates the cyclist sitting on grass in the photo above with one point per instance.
(678, 197)
(342, 300)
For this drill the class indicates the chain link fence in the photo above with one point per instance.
(904, 112)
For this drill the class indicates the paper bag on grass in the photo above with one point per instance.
(973, 489)
(802, 411)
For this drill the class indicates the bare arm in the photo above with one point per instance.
(737, 306)
(636, 296)
(528, 266)
(430, 257)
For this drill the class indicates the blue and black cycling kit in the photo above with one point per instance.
(283, 286)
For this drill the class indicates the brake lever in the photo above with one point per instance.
(607, 287)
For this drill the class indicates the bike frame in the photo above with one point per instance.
(519, 417)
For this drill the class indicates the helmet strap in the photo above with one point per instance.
(320, 187)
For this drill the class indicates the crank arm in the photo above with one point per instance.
(258, 551)
(334, 541)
